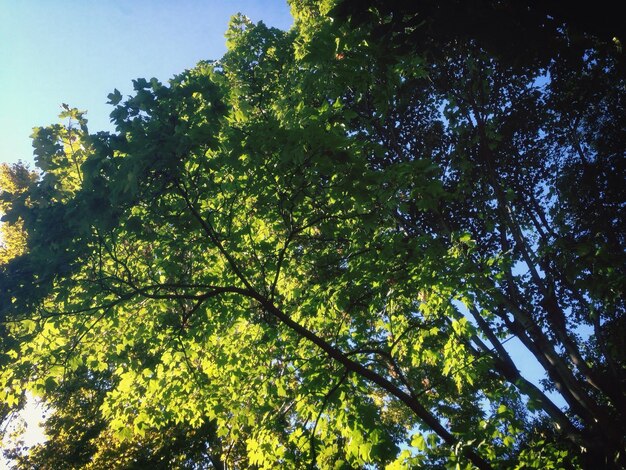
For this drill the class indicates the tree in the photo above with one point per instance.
(312, 252)
(78, 436)
(14, 179)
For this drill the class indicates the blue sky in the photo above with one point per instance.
(78, 51)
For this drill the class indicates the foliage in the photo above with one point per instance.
(313, 251)
(14, 179)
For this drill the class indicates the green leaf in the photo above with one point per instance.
(115, 97)
(418, 442)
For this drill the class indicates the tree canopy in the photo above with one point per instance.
(314, 251)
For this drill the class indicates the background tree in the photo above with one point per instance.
(313, 251)
(15, 180)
